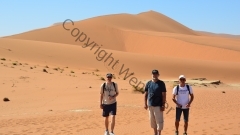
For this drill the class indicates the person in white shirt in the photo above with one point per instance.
(108, 103)
(181, 94)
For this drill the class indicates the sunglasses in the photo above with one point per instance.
(109, 77)
(182, 79)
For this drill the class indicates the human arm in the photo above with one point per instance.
(163, 101)
(164, 90)
(101, 96)
(145, 100)
(146, 96)
(192, 97)
(117, 92)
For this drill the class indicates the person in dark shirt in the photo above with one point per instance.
(154, 101)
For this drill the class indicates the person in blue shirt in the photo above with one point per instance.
(155, 99)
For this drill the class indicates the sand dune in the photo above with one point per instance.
(150, 20)
(52, 53)
(218, 42)
(107, 30)
(218, 35)
(145, 33)
(183, 47)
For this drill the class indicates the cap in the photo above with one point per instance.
(109, 75)
(182, 76)
(155, 71)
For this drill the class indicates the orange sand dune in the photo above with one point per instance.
(218, 35)
(145, 33)
(78, 57)
(174, 47)
(218, 42)
(150, 20)
(106, 30)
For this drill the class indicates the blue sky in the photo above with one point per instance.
(219, 16)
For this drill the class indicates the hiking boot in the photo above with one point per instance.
(176, 132)
(184, 133)
(106, 133)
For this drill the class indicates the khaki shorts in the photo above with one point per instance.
(156, 117)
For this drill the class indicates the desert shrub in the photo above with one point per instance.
(114, 77)
(44, 70)
(6, 99)
(102, 78)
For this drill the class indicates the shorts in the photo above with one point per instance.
(109, 109)
(156, 117)
(179, 113)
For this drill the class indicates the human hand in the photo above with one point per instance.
(179, 105)
(162, 108)
(101, 106)
(110, 97)
(145, 107)
(188, 105)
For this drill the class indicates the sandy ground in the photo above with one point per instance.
(57, 103)
(65, 99)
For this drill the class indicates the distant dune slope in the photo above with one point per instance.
(141, 64)
(106, 30)
(149, 33)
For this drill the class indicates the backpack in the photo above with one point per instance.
(187, 88)
(104, 84)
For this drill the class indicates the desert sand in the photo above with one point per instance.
(53, 82)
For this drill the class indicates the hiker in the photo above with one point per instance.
(155, 99)
(181, 92)
(108, 103)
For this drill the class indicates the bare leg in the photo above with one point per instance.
(106, 123)
(185, 127)
(159, 132)
(155, 131)
(186, 114)
(113, 123)
(176, 125)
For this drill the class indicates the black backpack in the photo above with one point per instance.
(187, 88)
(104, 84)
